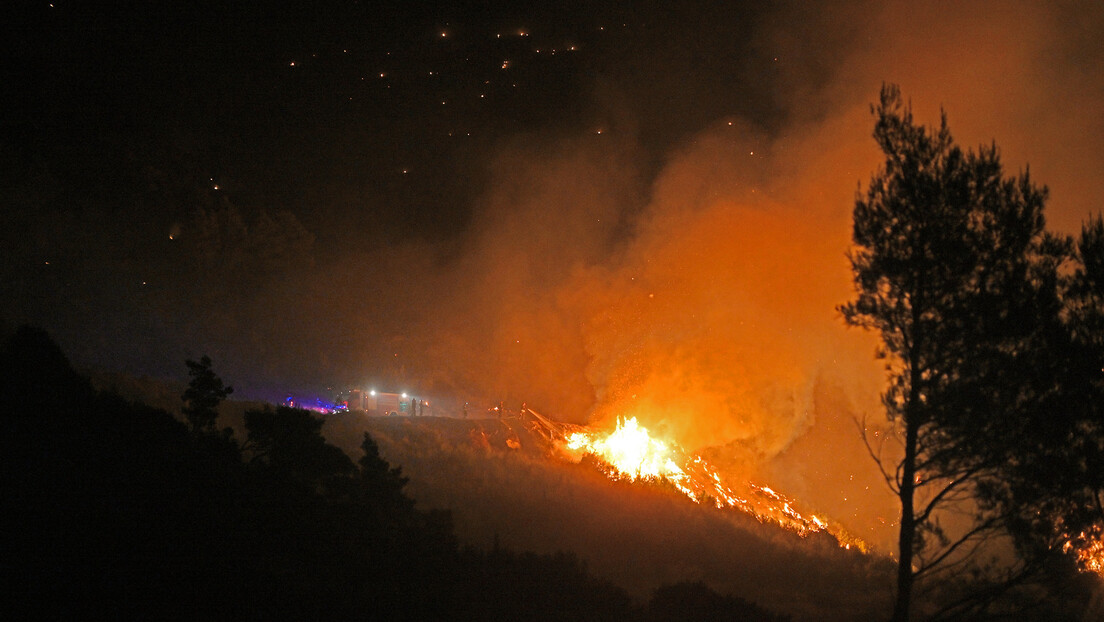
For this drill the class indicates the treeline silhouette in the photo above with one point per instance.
(117, 510)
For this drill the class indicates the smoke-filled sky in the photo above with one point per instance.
(597, 208)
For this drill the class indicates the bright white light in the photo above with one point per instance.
(404, 396)
(372, 393)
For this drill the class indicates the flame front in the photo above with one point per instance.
(630, 452)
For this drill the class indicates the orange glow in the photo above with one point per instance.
(631, 452)
(1088, 548)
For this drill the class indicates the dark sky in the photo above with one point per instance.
(320, 109)
(350, 124)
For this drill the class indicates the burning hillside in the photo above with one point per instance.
(630, 452)
(515, 482)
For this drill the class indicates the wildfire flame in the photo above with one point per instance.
(630, 452)
(1088, 548)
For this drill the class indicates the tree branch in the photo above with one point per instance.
(876, 457)
(979, 600)
(980, 528)
(942, 495)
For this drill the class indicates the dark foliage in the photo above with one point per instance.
(955, 271)
(204, 393)
(525, 586)
(288, 442)
(377, 476)
(689, 602)
(1054, 485)
(119, 511)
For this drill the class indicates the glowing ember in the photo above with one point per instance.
(1089, 550)
(630, 452)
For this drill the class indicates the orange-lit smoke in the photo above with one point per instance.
(698, 293)
(714, 324)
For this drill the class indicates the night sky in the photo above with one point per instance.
(596, 208)
(367, 116)
(330, 130)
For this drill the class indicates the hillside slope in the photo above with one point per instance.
(505, 483)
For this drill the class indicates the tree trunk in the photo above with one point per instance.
(906, 536)
(907, 533)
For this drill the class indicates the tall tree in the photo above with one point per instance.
(204, 393)
(379, 480)
(1086, 302)
(953, 268)
(1054, 487)
(289, 441)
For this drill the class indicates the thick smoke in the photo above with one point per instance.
(699, 294)
(682, 266)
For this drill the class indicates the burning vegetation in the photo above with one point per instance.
(1088, 548)
(630, 452)
(639, 534)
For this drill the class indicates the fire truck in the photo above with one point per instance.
(382, 403)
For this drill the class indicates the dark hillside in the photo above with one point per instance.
(639, 537)
(120, 511)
